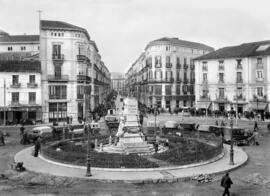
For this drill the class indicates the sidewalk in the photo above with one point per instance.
(136, 176)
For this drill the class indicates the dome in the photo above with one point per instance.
(3, 33)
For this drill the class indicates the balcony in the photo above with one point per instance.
(178, 80)
(185, 66)
(32, 85)
(15, 85)
(178, 66)
(14, 103)
(205, 81)
(168, 80)
(259, 79)
(205, 98)
(239, 67)
(84, 78)
(80, 96)
(168, 65)
(221, 81)
(81, 58)
(204, 68)
(158, 65)
(192, 66)
(58, 78)
(221, 67)
(239, 97)
(32, 103)
(239, 80)
(192, 81)
(259, 66)
(59, 57)
(63, 96)
(222, 99)
(257, 98)
(185, 80)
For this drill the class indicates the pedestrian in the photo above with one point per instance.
(2, 137)
(255, 126)
(37, 146)
(141, 119)
(226, 182)
(216, 122)
(22, 130)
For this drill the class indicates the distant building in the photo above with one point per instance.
(74, 78)
(17, 47)
(118, 82)
(235, 76)
(163, 75)
(20, 87)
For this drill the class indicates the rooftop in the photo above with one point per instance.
(243, 50)
(20, 66)
(19, 39)
(179, 42)
(59, 25)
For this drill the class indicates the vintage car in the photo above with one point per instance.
(40, 131)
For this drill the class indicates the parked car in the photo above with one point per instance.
(41, 131)
(185, 111)
(28, 122)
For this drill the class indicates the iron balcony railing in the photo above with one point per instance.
(32, 85)
(15, 85)
(58, 78)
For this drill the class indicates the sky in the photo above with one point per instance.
(122, 28)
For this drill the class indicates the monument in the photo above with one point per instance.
(130, 136)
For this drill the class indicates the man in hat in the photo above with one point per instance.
(226, 182)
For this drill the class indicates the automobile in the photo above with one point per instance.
(185, 112)
(28, 122)
(40, 131)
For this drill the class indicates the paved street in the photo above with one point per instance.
(251, 179)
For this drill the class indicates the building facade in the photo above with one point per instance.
(74, 78)
(164, 74)
(17, 47)
(20, 86)
(236, 76)
(118, 82)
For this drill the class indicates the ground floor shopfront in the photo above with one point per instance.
(15, 115)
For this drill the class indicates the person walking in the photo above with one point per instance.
(226, 182)
(22, 130)
(2, 137)
(37, 146)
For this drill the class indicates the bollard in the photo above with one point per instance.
(96, 143)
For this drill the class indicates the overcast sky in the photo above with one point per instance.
(122, 28)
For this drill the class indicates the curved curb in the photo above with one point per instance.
(220, 156)
(153, 177)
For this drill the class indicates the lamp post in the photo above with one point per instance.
(155, 115)
(88, 163)
(231, 150)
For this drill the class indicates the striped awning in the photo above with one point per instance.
(258, 106)
(203, 104)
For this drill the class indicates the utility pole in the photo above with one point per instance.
(4, 102)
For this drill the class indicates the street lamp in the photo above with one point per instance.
(231, 150)
(88, 163)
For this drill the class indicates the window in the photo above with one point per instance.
(205, 93)
(168, 90)
(168, 104)
(158, 63)
(185, 60)
(150, 74)
(149, 62)
(177, 103)
(32, 97)
(191, 89)
(32, 79)
(168, 75)
(259, 60)
(56, 51)
(239, 63)
(168, 62)
(158, 90)
(221, 65)
(185, 76)
(221, 77)
(9, 48)
(239, 77)
(23, 48)
(57, 92)
(57, 71)
(239, 92)
(167, 48)
(204, 77)
(15, 97)
(178, 64)
(177, 89)
(192, 76)
(221, 93)
(57, 111)
(204, 66)
(185, 89)
(178, 75)
(15, 79)
(158, 75)
(259, 75)
(80, 92)
(260, 91)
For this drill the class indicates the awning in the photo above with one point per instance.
(203, 104)
(258, 106)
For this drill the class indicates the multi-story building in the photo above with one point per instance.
(236, 76)
(74, 79)
(17, 47)
(21, 93)
(118, 82)
(163, 75)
